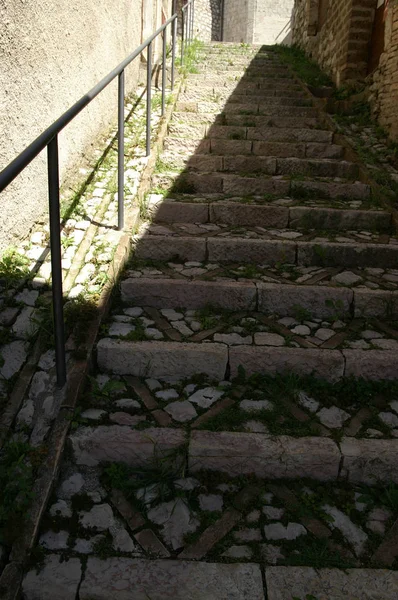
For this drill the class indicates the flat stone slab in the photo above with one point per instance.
(57, 580)
(369, 461)
(115, 443)
(327, 364)
(372, 364)
(266, 456)
(195, 294)
(138, 579)
(285, 583)
(162, 359)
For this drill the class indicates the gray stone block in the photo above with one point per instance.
(371, 364)
(162, 359)
(369, 461)
(139, 579)
(250, 251)
(327, 364)
(266, 456)
(195, 294)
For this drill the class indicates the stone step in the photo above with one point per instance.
(181, 360)
(284, 299)
(263, 134)
(237, 185)
(185, 148)
(232, 162)
(262, 81)
(249, 121)
(247, 71)
(220, 99)
(192, 242)
(271, 214)
(246, 87)
(248, 109)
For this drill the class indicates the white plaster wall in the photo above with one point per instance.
(51, 53)
(272, 23)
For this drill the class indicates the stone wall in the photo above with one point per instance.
(273, 21)
(51, 53)
(384, 81)
(238, 16)
(208, 20)
(336, 33)
(258, 21)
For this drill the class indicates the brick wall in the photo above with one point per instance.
(340, 44)
(383, 83)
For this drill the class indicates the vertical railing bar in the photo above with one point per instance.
(120, 150)
(182, 36)
(164, 73)
(148, 99)
(193, 20)
(56, 261)
(173, 52)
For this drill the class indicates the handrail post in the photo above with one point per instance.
(56, 261)
(164, 73)
(120, 150)
(148, 99)
(182, 35)
(193, 19)
(173, 52)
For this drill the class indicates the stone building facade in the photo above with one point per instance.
(258, 21)
(354, 40)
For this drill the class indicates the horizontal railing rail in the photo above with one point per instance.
(49, 139)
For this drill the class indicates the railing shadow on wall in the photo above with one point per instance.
(49, 139)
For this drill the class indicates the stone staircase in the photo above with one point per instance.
(264, 263)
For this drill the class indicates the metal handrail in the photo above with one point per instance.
(49, 139)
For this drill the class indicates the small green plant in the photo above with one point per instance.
(338, 311)
(13, 267)
(300, 313)
(16, 482)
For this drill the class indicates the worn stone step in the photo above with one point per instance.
(248, 108)
(245, 87)
(238, 185)
(271, 215)
(260, 134)
(261, 81)
(161, 359)
(166, 242)
(249, 121)
(232, 162)
(185, 148)
(237, 98)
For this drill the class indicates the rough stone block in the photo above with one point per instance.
(321, 302)
(376, 303)
(162, 359)
(371, 364)
(317, 168)
(168, 247)
(56, 580)
(250, 164)
(334, 254)
(116, 443)
(249, 215)
(280, 134)
(324, 151)
(140, 579)
(231, 146)
(327, 364)
(182, 212)
(285, 583)
(195, 294)
(250, 251)
(266, 456)
(233, 184)
(369, 461)
(206, 163)
(329, 218)
(279, 149)
(350, 191)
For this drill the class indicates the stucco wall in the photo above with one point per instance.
(272, 22)
(51, 53)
